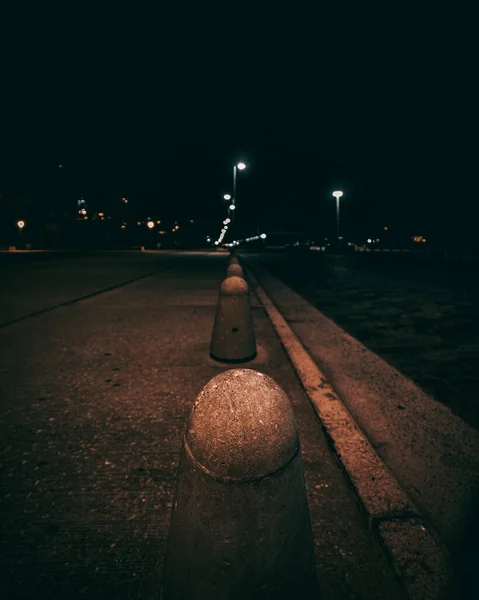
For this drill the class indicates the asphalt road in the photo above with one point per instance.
(101, 358)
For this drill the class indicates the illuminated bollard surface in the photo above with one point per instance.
(233, 338)
(234, 269)
(240, 526)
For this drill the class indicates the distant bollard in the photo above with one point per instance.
(240, 527)
(233, 338)
(235, 269)
(233, 259)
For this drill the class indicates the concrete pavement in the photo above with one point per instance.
(95, 395)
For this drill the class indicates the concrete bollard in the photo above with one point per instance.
(240, 526)
(235, 269)
(233, 338)
(233, 259)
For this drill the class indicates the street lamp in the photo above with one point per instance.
(150, 224)
(241, 166)
(20, 225)
(337, 195)
(227, 197)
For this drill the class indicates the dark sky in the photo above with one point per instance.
(157, 105)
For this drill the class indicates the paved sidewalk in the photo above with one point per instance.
(94, 401)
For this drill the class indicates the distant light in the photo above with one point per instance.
(377, 239)
(227, 197)
(123, 226)
(138, 223)
(124, 200)
(150, 224)
(192, 221)
(386, 228)
(158, 222)
(101, 214)
(241, 166)
(177, 227)
(216, 243)
(208, 239)
(263, 236)
(337, 194)
(83, 211)
(225, 228)
(60, 166)
(226, 221)
(424, 240)
(173, 230)
(232, 206)
(20, 224)
(369, 240)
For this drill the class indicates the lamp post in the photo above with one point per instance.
(337, 195)
(239, 166)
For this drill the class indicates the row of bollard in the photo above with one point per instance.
(233, 338)
(240, 525)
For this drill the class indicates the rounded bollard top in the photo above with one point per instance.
(234, 286)
(242, 427)
(234, 269)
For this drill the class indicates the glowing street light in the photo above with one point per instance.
(232, 207)
(337, 195)
(227, 197)
(21, 224)
(241, 166)
(150, 224)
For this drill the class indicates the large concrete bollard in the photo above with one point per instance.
(235, 269)
(240, 527)
(233, 338)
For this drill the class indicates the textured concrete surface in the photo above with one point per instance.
(94, 400)
(240, 526)
(242, 426)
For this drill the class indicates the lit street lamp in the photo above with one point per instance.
(239, 166)
(337, 195)
(227, 197)
(20, 225)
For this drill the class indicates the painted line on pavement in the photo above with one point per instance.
(417, 558)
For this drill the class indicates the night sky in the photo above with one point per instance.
(157, 105)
